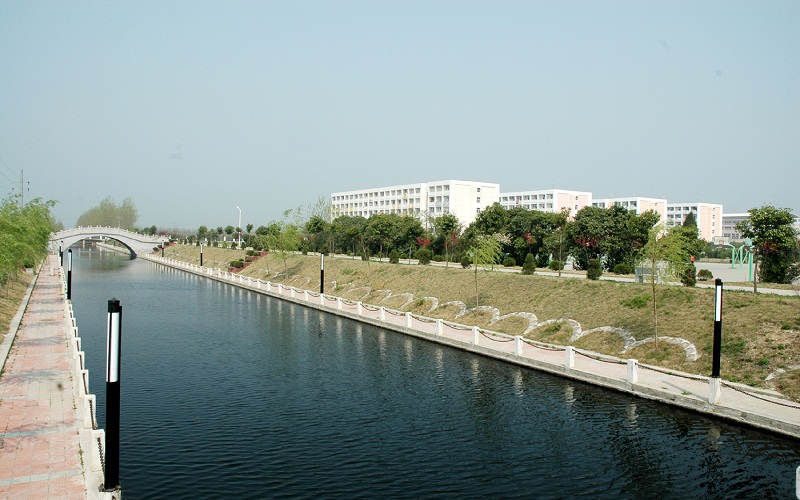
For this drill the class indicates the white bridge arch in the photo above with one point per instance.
(135, 242)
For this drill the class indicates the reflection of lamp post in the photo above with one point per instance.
(239, 227)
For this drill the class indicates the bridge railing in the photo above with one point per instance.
(106, 230)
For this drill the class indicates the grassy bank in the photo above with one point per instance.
(761, 333)
(10, 297)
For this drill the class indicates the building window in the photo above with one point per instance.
(478, 200)
(479, 190)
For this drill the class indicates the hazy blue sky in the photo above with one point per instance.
(193, 108)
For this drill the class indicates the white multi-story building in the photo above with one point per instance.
(729, 222)
(636, 204)
(547, 200)
(464, 199)
(732, 235)
(707, 215)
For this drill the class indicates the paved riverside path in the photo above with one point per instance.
(760, 408)
(41, 415)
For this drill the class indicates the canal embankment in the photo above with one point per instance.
(51, 447)
(737, 402)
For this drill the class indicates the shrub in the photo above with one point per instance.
(438, 258)
(156, 249)
(250, 253)
(465, 262)
(233, 245)
(704, 275)
(529, 266)
(594, 270)
(509, 262)
(636, 302)
(556, 265)
(237, 264)
(689, 276)
(394, 257)
(622, 268)
(424, 256)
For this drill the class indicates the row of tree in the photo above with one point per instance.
(24, 234)
(108, 213)
(616, 238)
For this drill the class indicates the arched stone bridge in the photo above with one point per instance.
(135, 242)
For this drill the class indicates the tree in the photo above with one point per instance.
(249, 228)
(202, 231)
(529, 266)
(447, 228)
(664, 252)
(486, 252)
(774, 242)
(286, 239)
(24, 235)
(690, 220)
(108, 213)
(229, 230)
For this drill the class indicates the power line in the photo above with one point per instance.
(9, 169)
(4, 175)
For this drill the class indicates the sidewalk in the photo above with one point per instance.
(43, 438)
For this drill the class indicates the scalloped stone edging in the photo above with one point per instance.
(629, 341)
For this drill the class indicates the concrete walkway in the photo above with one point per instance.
(43, 438)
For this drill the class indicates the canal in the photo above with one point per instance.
(228, 393)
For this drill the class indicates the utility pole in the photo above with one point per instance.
(22, 188)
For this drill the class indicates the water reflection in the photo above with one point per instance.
(241, 393)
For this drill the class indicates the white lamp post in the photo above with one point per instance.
(239, 227)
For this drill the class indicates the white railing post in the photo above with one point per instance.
(408, 320)
(339, 303)
(305, 295)
(358, 308)
(475, 335)
(383, 313)
(518, 345)
(570, 362)
(322, 299)
(291, 291)
(438, 326)
(633, 371)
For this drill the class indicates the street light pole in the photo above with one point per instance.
(239, 227)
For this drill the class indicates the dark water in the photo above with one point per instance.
(228, 394)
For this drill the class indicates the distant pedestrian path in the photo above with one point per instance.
(42, 454)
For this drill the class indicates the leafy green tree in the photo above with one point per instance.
(486, 252)
(347, 232)
(774, 242)
(229, 230)
(689, 276)
(286, 240)
(108, 213)
(690, 220)
(446, 229)
(202, 232)
(394, 257)
(665, 254)
(24, 235)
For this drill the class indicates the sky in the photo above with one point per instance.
(194, 108)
